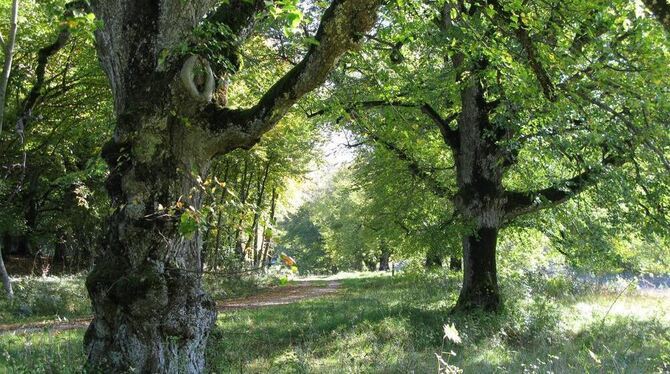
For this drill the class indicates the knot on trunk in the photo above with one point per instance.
(198, 79)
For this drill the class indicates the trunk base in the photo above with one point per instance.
(486, 299)
(480, 278)
(148, 321)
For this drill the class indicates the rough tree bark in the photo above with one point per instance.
(151, 313)
(6, 283)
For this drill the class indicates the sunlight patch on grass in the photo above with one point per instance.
(346, 275)
(608, 306)
(384, 324)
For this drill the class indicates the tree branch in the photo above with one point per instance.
(522, 35)
(9, 56)
(369, 104)
(342, 26)
(450, 136)
(43, 56)
(413, 166)
(519, 203)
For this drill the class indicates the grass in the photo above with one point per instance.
(65, 297)
(394, 325)
(46, 298)
(44, 352)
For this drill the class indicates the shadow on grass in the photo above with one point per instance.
(394, 325)
(367, 316)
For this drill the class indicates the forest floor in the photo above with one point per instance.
(281, 295)
(376, 323)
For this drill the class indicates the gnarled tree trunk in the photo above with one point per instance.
(151, 313)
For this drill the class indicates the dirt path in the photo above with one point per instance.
(285, 295)
(281, 296)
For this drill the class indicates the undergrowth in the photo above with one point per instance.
(65, 297)
(45, 298)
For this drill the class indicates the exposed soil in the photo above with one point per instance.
(271, 297)
(281, 296)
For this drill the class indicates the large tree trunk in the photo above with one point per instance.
(480, 279)
(480, 200)
(151, 313)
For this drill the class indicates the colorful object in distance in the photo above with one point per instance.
(287, 260)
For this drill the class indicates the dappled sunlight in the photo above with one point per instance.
(394, 324)
(638, 306)
(375, 325)
(338, 186)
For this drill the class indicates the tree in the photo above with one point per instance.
(246, 194)
(8, 46)
(661, 10)
(6, 283)
(302, 240)
(59, 106)
(151, 313)
(4, 79)
(534, 110)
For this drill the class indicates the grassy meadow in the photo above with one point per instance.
(384, 324)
